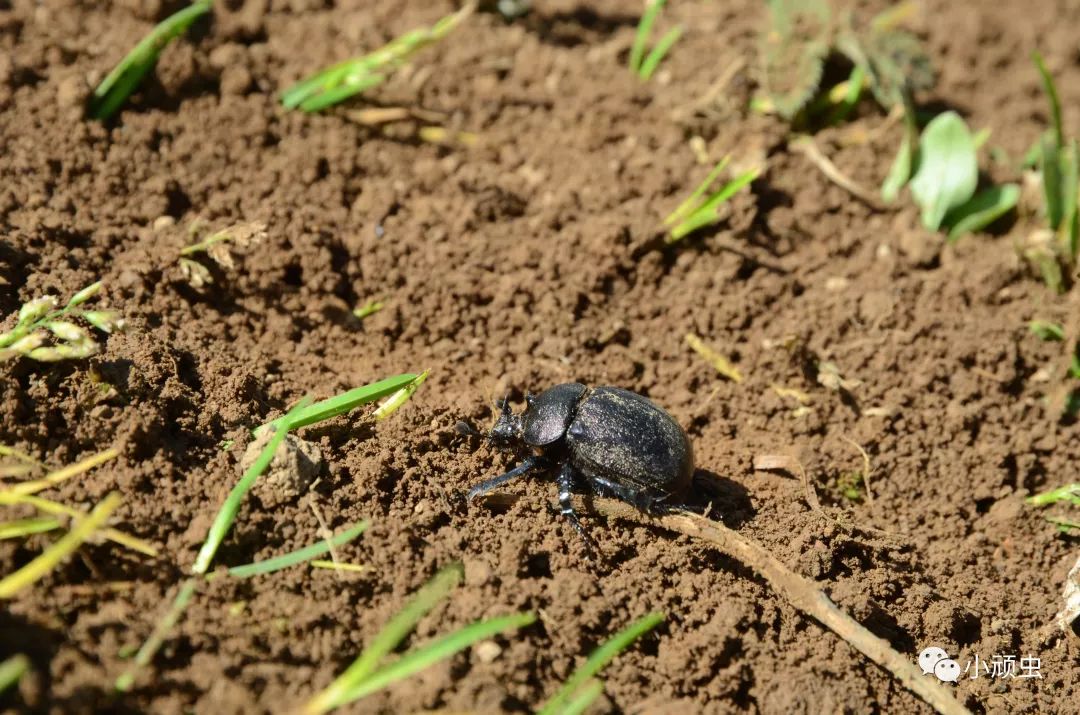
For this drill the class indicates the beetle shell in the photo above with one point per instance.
(550, 413)
(624, 437)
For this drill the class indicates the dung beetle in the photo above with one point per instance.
(617, 442)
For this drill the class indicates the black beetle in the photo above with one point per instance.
(617, 441)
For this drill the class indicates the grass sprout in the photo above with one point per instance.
(1054, 250)
(48, 506)
(1070, 493)
(1065, 526)
(41, 332)
(158, 635)
(583, 676)
(51, 557)
(369, 308)
(299, 556)
(722, 365)
(114, 90)
(64, 473)
(227, 514)
(399, 398)
(702, 207)
(216, 247)
(12, 670)
(363, 677)
(19, 528)
(645, 65)
(339, 404)
(346, 79)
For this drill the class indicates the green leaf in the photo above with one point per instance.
(84, 295)
(114, 90)
(299, 556)
(948, 170)
(1070, 190)
(340, 404)
(12, 670)
(427, 655)
(387, 639)
(899, 173)
(1050, 168)
(794, 47)
(658, 53)
(981, 210)
(641, 37)
(1045, 330)
(1052, 96)
(598, 659)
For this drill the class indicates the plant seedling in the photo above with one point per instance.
(645, 65)
(701, 208)
(53, 556)
(114, 90)
(12, 671)
(40, 333)
(802, 34)
(943, 175)
(339, 82)
(1054, 250)
(364, 677)
(216, 247)
(579, 691)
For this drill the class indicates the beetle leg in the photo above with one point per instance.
(487, 485)
(566, 482)
(642, 499)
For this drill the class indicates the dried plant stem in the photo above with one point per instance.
(799, 591)
(806, 146)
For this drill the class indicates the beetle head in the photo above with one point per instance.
(507, 429)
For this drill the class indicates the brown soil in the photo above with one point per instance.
(523, 262)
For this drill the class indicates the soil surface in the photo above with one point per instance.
(526, 260)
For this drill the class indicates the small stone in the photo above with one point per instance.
(295, 465)
(487, 651)
(163, 222)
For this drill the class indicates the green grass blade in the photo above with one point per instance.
(598, 659)
(855, 83)
(1069, 493)
(114, 90)
(12, 671)
(644, 29)
(585, 697)
(340, 404)
(899, 173)
(1065, 526)
(18, 528)
(659, 52)
(320, 81)
(335, 95)
(387, 639)
(426, 656)
(399, 398)
(1052, 96)
(299, 556)
(982, 210)
(51, 557)
(338, 82)
(688, 206)
(1070, 194)
(706, 214)
(1045, 330)
(1053, 193)
(158, 635)
(227, 514)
